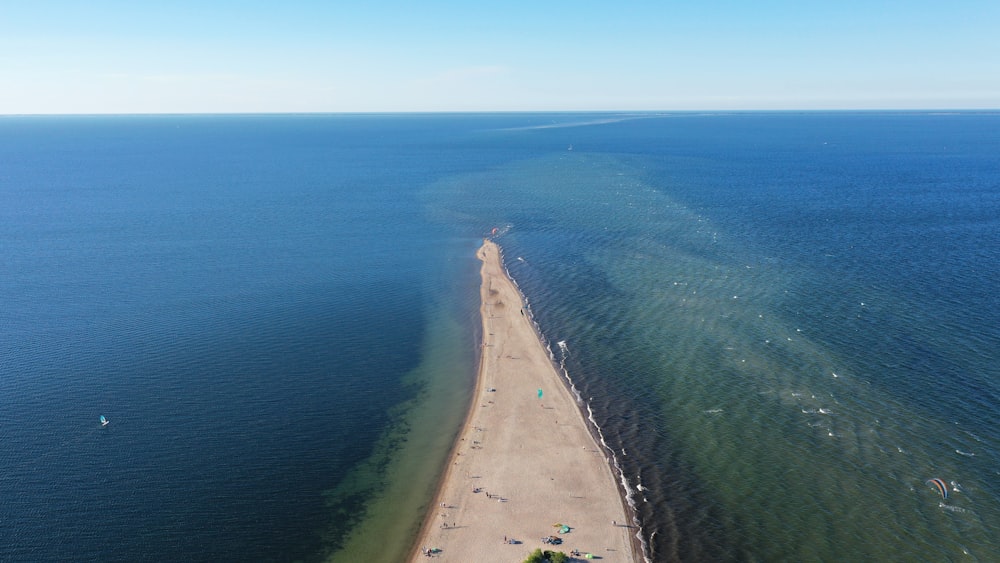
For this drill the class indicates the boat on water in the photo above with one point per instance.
(104, 421)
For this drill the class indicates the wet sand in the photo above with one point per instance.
(522, 463)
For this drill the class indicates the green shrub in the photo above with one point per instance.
(539, 556)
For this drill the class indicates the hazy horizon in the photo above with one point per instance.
(643, 113)
(391, 57)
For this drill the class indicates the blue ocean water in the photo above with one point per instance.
(782, 324)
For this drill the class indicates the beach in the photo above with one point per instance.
(524, 466)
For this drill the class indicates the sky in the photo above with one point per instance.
(248, 56)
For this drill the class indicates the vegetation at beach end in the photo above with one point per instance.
(539, 556)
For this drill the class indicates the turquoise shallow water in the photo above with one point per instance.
(782, 324)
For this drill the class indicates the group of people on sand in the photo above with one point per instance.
(488, 494)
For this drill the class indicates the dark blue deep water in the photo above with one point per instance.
(783, 325)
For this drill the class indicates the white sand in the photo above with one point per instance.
(534, 457)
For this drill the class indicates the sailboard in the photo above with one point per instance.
(104, 421)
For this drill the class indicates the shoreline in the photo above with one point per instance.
(525, 458)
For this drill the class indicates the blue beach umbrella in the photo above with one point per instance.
(539, 393)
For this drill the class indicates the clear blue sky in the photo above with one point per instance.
(103, 56)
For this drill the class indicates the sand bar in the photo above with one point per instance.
(522, 463)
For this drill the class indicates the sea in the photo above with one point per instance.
(784, 327)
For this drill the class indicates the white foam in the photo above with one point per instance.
(951, 508)
(630, 492)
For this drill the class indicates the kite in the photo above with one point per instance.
(942, 487)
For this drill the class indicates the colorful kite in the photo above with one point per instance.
(942, 487)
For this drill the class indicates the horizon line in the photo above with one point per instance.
(510, 112)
